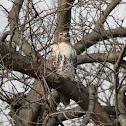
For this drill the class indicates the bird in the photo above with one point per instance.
(63, 59)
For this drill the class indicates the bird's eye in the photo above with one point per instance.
(61, 33)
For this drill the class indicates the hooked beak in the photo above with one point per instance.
(66, 35)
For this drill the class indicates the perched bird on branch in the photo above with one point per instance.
(63, 58)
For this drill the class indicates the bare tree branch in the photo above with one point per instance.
(40, 109)
(99, 57)
(96, 35)
(16, 34)
(121, 55)
(66, 87)
(89, 113)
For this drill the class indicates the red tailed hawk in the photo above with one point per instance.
(62, 60)
(63, 56)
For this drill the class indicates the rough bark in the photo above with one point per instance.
(66, 87)
(92, 99)
(122, 107)
(16, 31)
(28, 114)
(99, 57)
(63, 23)
(68, 114)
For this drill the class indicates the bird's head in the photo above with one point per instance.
(64, 36)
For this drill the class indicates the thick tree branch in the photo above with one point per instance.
(26, 65)
(110, 110)
(4, 35)
(63, 23)
(104, 34)
(117, 32)
(30, 108)
(120, 57)
(92, 99)
(122, 108)
(98, 33)
(71, 89)
(16, 34)
(106, 13)
(99, 57)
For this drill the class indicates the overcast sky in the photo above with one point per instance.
(120, 12)
(7, 4)
(3, 14)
